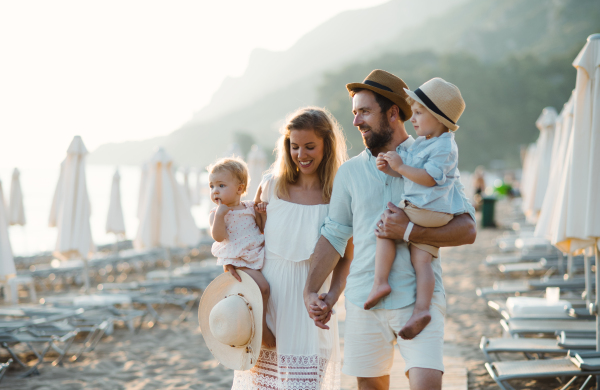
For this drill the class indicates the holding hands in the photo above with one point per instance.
(320, 308)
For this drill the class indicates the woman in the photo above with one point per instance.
(297, 190)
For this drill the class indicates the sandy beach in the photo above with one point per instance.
(176, 357)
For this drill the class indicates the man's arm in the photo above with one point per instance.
(461, 230)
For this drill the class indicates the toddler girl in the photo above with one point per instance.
(429, 167)
(234, 225)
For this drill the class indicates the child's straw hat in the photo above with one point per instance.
(230, 316)
(442, 99)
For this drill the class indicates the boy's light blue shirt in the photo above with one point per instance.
(439, 157)
(360, 196)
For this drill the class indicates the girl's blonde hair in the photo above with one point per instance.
(234, 165)
(334, 151)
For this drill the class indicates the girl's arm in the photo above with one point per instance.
(418, 175)
(218, 230)
(260, 211)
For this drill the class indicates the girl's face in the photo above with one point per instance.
(425, 124)
(225, 188)
(306, 149)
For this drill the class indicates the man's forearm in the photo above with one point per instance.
(323, 261)
(461, 230)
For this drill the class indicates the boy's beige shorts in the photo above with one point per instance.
(425, 218)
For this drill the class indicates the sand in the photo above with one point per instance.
(177, 358)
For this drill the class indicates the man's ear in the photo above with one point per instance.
(394, 113)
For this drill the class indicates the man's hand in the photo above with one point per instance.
(393, 223)
(231, 268)
(319, 309)
(394, 160)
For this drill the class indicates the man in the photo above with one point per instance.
(361, 193)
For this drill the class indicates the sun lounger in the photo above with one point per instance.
(551, 327)
(520, 286)
(530, 346)
(519, 257)
(4, 367)
(502, 372)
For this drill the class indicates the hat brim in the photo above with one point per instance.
(222, 286)
(396, 98)
(451, 126)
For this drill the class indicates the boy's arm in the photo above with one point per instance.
(218, 230)
(417, 175)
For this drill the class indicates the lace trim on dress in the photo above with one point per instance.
(289, 372)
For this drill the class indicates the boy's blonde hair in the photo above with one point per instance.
(234, 165)
(334, 149)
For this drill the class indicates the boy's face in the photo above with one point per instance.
(425, 124)
(224, 188)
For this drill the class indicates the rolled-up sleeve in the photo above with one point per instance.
(337, 228)
(440, 162)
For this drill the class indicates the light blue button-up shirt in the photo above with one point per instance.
(360, 196)
(439, 157)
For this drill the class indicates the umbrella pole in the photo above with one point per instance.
(570, 265)
(596, 306)
(588, 280)
(86, 275)
(168, 259)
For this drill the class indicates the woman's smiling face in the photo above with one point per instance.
(306, 149)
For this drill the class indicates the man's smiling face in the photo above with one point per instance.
(371, 122)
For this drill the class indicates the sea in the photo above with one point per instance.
(38, 185)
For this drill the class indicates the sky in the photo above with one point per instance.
(113, 71)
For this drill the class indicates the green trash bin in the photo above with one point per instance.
(487, 212)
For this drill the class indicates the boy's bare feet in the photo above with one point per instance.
(268, 339)
(415, 325)
(377, 292)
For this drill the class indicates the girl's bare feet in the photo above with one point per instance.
(415, 325)
(378, 291)
(268, 339)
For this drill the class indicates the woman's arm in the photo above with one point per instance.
(218, 229)
(260, 213)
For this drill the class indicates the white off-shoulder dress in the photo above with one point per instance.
(306, 357)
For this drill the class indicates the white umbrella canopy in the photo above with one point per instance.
(115, 223)
(16, 211)
(564, 125)
(546, 124)
(165, 219)
(7, 263)
(198, 189)
(257, 164)
(186, 185)
(528, 177)
(577, 219)
(52, 220)
(73, 205)
(143, 178)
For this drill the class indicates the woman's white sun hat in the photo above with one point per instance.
(230, 316)
(442, 99)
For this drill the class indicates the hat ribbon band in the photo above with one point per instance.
(377, 85)
(431, 105)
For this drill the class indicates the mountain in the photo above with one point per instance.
(276, 83)
(474, 35)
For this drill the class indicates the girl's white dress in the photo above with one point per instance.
(306, 357)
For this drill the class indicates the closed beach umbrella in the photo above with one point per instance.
(57, 196)
(165, 219)
(143, 177)
(16, 212)
(74, 238)
(564, 125)
(577, 223)
(198, 190)
(186, 186)
(115, 223)
(528, 177)
(257, 164)
(540, 175)
(7, 263)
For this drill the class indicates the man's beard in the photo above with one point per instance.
(379, 137)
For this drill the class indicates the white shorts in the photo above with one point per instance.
(371, 334)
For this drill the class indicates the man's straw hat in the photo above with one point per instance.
(388, 85)
(442, 99)
(230, 316)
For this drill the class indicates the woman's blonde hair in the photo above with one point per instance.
(234, 165)
(334, 149)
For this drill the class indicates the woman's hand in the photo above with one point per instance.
(320, 308)
(261, 207)
(231, 268)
